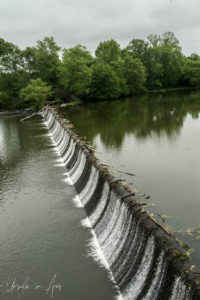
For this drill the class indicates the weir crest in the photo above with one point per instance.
(143, 260)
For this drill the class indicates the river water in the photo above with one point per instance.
(156, 138)
(43, 248)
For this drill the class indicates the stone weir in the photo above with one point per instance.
(146, 261)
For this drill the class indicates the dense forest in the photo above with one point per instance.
(29, 77)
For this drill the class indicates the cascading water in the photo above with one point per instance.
(139, 265)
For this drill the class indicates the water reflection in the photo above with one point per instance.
(159, 115)
(8, 131)
(16, 147)
(155, 137)
(40, 235)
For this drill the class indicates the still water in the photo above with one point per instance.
(156, 138)
(43, 248)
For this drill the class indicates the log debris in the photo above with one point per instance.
(36, 113)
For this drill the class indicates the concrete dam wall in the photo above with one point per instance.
(144, 260)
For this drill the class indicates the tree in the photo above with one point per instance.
(155, 63)
(13, 77)
(137, 48)
(134, 73)
(35, 94)
(29, 61)
(192, 71)
(10, 85)
(162, 58)
(169, 39)
(75, 71)
(148, 53)
(171, 59)
(105, 84)
(154, 68)
(43, 60)
(10, 57)
(167, 54)
(194, 56)
(108, 52)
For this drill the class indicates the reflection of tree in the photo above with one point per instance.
(160, 114)
(16, 140)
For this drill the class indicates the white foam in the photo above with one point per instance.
(65, 156)
(134, 243)
(94, 248)
(59, 160)
(56, 150)
(79, 170)
(157, 280)
(96, 253)
(77, 202)
(106, 223)
(71, 154)
(90, 186)
(179, 289)
(118, 246)
(138, 281)
(86, 223)
(77, 162)
(101, 205)
(111, 222)
(67, 180)
(109, 246)
(63, 143)
(59, 165)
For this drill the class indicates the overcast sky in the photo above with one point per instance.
(90, 21)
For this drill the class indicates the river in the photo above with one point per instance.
(43, 247)
(157, 138)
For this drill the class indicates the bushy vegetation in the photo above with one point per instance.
(30, 77)
(35, 94)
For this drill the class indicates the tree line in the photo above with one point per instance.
(31, 76)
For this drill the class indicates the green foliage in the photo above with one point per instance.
(11, 59)
(29, 61)
(108, 52)
(134, 73)
(157, 63)
(105, 84)
(42, 61)
(47, 60)
(192, 70)
(162, 58)
(10, 85)
(35, 94)
(75, 71)
(12, 75)
(171, 59)
(137, 49)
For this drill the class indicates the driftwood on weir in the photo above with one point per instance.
(36, 113)
(28, 117)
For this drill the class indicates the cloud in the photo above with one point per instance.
(88, 21)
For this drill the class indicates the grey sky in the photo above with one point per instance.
(90, 21)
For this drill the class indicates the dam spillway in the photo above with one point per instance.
(144, 260)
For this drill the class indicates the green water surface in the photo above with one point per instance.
(43, 248)
(157, 138)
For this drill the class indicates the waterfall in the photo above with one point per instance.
(135, 249)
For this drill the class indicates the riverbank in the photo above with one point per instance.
(172, 90)
(76, 102)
